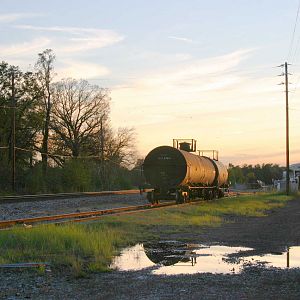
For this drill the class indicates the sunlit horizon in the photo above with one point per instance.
(205, 70)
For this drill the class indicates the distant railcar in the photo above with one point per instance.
(179, 174)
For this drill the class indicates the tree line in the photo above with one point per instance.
(248, 174)
(63, 139)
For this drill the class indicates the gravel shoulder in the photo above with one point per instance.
(279, 229)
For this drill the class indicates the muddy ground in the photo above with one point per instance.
(281, 228)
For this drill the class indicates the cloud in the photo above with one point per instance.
(8, 18)
(79, 39)
(181, 39)
(205, 74)
(70, 41)
(66, 43)
(182, 89)
(33, 46)
(81, 70)
(248, 157)
(213, 100)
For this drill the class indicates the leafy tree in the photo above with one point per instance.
(249, 174)
(27, 120)
(250, 177)
(235, 174)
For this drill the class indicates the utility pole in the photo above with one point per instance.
(102, 139)
(13, 131)
(287, 141)
(286, 83)
(102, 166)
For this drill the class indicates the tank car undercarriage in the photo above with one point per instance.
(185, 194)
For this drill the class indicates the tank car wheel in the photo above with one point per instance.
(220, 194)
(185, 197)
(151, 197)
(214, 194)
(178, 197)
(206, 194)
(209, 195)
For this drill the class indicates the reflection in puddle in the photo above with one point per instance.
(172, 257)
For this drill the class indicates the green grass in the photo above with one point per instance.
(90, 247)
(79, 247)
(204, 213)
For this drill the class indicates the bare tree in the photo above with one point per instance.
(44, 67)
(120, 146)
(78, 114)
(119, 153)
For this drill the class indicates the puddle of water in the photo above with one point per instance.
(171, 258)
(132, 259)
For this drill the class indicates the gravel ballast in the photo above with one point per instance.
(31, 209)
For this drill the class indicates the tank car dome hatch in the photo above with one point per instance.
(185, 146)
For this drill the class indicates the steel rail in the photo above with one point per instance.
(41, 197)
(83, 215)
(93, 215)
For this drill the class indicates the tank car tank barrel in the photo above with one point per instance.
(167, 167)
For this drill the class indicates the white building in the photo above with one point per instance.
(296, 171)
(294, 179)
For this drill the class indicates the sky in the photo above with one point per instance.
(175, 69)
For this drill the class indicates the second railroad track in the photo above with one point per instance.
(81, 216)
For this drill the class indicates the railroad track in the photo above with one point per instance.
(44, 197)
(91, 215)
(41, 197)
(82, 216)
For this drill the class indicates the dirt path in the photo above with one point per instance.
(279, 229)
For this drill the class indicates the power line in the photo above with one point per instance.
(8, 107)
(294, 31)
(63, 156)
(295, 89)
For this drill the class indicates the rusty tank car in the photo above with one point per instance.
(177, 173)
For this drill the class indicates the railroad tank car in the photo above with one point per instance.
(179, 174)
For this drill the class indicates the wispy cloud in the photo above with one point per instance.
(181, 39)
(66, 43)
(192, 81)
(8, 18)
(81, 70)
(205, 74)
(33, 46)
(79, 39)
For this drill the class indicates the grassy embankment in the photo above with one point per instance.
(90, 247)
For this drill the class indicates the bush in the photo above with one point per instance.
(77, 176)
